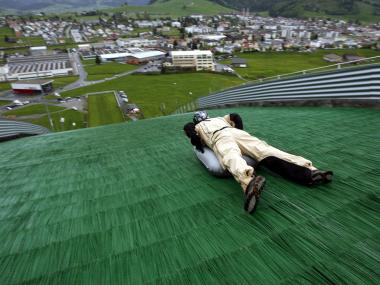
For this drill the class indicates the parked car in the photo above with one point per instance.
(125, 100)
(130, 107)
(17, 103)
(10, 107)
(74, 108)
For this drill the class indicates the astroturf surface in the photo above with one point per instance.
(130, 204)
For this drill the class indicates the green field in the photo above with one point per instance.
(70, 116)
(33, 110)
(150, 91)
(174, 32)
(6, 31)
(105, 70)
(24, 41)
(177, 8)
(103, 110)
(4, 102)
(63, 81)
(4, 86)
(267, 64)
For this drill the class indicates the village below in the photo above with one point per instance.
(87, 69)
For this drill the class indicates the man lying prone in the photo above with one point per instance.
(227, 139)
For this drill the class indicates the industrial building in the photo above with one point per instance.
(198, 59)
(30, 87)
(29, 67)
(135, 57)
(131, 55)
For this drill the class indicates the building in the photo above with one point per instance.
(76, 36)
(42, 50)
(29, 67)
(145, 56)
(198, 59)
(239, 62)
(29, 87)
(4, 70)
(199, 30)
(137, 42)
(138, 57)
(334, 58)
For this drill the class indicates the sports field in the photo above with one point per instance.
(103, 110)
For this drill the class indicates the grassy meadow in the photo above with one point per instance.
(265, 64)
(103, 110)
(70, 116)
(149, 92)
(105, 70)
(176, 8)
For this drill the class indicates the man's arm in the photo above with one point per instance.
(195, 140)
(234, 120)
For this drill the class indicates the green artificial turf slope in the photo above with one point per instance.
(130, 204)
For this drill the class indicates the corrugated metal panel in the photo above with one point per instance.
(10, 128)
(355, 83)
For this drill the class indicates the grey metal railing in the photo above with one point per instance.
(362, 82)
(10, 129)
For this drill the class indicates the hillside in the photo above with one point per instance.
(130, 204)
(178, 8)
(51, 4)
(159, 7)
(366, 10)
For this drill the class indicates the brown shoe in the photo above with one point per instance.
(253, 192)
(319, 177)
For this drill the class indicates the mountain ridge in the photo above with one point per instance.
(364, 10)
(307, 8)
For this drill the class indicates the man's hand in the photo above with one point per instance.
(190, 132)
(200, 148)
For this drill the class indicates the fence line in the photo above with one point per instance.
(356, 83)
(10, 128)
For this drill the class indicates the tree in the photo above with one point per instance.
(98, 60)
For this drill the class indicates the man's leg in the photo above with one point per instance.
(292, 167)
(230, 156)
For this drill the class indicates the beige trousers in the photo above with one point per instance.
(229, 144)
